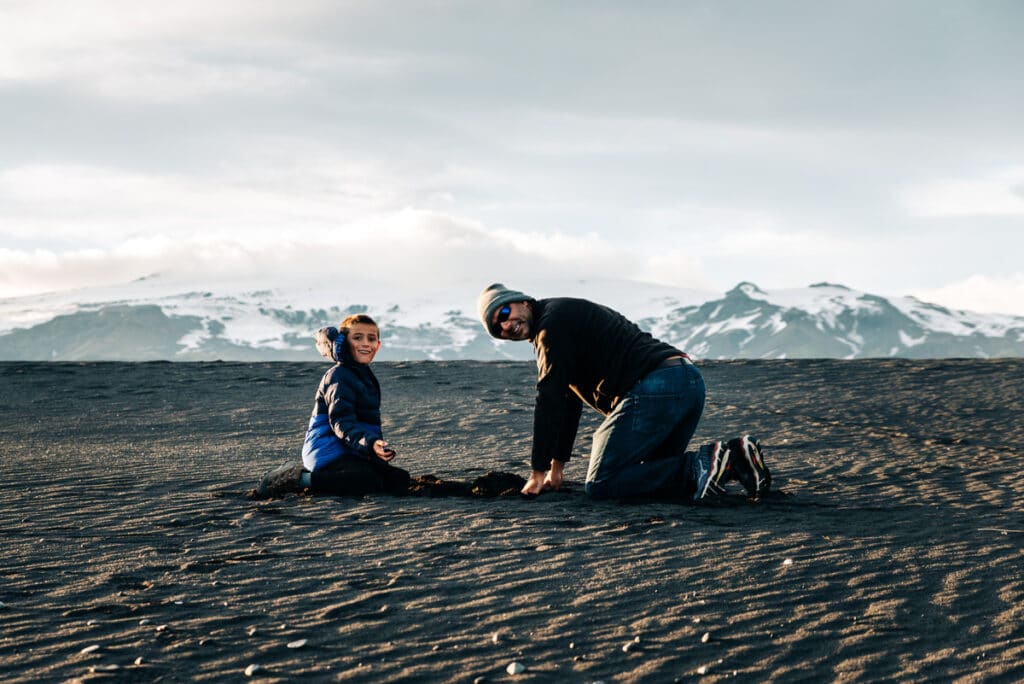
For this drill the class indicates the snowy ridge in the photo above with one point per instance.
(160, 318)
(827, 320)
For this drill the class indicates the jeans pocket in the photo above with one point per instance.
(660, 382)
(656, 414)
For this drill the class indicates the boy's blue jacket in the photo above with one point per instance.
(346, 411)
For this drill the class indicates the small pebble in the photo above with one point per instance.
(704, 639)
(251, 631)
(90, 623)
(702, 670)
(788, 561)
(138, 661)
(106, 668)
(90, 649)
(161, 628)
(144, 621)
(696, 621)
(515, 668)
(251, 670)
(298, 643)
(572, 645)
(496, 638)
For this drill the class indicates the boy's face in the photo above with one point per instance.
(363, 342)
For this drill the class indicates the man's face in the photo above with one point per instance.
(512, 321)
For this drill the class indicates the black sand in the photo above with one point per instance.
(896, 551)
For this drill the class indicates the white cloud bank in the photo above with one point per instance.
(980, 293)
(398, 250)
(274, 221)
(1000, 193)
(280, 219)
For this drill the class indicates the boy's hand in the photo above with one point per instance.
(383, 450)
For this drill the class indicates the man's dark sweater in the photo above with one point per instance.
(585, 353)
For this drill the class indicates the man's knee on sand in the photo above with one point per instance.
(598, 489)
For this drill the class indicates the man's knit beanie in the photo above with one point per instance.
(494, 296)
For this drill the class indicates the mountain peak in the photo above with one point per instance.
(745, 288)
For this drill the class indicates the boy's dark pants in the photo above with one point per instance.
(354, 476)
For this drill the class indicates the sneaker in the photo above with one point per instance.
(282, 480)
(747, 460)
(712, 467)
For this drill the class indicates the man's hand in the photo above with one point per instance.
(540, 481)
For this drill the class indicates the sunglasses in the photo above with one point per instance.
(503, 314)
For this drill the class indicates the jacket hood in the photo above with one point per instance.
(330, 342)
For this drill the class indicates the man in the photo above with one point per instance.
(651, 394)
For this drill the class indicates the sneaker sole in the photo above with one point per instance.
(719, 463)
(755, 459)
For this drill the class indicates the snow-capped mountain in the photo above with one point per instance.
(157, 318)
(833, 321)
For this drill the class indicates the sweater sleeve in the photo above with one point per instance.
(556, 415)
(341, 397)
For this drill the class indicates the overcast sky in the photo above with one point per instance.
(698, 144)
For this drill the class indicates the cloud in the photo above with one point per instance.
(102, 205)
(265, 214)
(780, 244)
(184, 50)
(980, 293)
(1000, 193)
(560, 134)
(680, 268)
(403, 249)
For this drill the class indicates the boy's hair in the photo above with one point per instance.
(349, 321)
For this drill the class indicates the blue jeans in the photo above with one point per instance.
(639, 448)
